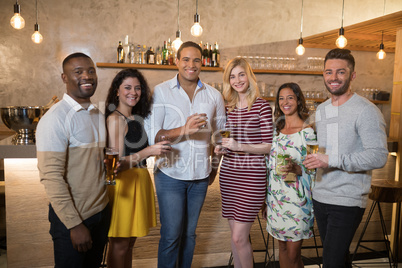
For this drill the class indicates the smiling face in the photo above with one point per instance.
(238, 80)
(287, 101)
(337, 76)
(129, 92)
(79, 75)
(189, 64)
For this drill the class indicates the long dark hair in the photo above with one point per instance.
(143, 107)
(302, 110)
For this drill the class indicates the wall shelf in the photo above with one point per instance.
(150, 66)
(297, 72)
(307, 99)
(322, 100)
(208, 69)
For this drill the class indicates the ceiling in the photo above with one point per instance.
(363, 36)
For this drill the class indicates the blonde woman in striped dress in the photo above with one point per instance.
(243, 170)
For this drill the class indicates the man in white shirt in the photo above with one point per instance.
(70, 141)
(181, 106)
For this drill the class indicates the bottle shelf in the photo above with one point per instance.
(307, 99)
(297, 72)
(150, 66)
(322, 100)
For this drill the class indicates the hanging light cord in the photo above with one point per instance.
(178, 15)
(196, 7)
(36, 11)
(383, 13)
(343, 7)
(301, 24)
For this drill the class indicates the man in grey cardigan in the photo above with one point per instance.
(351, 131)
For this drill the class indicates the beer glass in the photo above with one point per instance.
(312, 148)
(112, 157)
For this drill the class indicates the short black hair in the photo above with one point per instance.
(342, 54)
(188, 44)
(74, 55)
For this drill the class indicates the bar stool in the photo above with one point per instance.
(386, 191)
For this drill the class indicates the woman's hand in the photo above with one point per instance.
(292, 167)
(220, 150)
(160, 148)
(231, 144)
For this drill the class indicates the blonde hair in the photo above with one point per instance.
(231, 96)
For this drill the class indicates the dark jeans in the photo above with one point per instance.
(65, 256)
(337, 226)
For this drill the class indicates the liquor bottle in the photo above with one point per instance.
(205, 55)
(165, 54)
(138, 54)
(126, 47)
(132, 54)
(144, 54)
(171, 52)
(150, 56)
(120, 53)
(158, 55)
(216, 55)
(210, 64)
(200, 44)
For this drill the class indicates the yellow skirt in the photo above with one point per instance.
(133, 204)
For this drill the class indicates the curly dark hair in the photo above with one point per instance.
(302, 110)
(143, 107)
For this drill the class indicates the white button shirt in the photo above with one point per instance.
(190, 158)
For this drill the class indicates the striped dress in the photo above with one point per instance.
(243, 176)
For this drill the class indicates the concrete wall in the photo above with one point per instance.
(30, 73)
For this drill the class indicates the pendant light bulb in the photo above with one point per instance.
(177, 42)
(17, 21)
(37, 37)
(341, 42)
(300, 48)
(381, 54)
(196, 29)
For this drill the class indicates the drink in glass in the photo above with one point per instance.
(312, 148)
(225, 133)
(280, 162)
(112, 157)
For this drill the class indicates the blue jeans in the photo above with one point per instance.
(180, 204)
(337, 226)
(65, 256)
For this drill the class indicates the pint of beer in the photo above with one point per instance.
(112, 156)
(312, 148)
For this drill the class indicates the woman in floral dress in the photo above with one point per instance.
(289, 204)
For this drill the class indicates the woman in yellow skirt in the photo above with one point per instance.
(132, 198)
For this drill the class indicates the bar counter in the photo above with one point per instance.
(28, 241)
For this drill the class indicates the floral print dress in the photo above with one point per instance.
(289, 204)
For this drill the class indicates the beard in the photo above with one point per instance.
(342, 90)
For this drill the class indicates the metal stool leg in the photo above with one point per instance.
(104, 256)
(384, 232)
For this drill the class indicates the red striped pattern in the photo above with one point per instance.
(243, 177)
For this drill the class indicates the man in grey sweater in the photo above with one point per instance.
(351, 131)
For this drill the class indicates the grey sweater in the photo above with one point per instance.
(353, 136)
